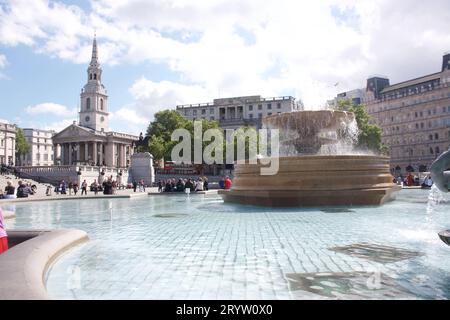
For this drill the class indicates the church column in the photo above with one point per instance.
(95, 153)
(62, 157)
(122, 155)
(101, 153)
(70, 154)
(86, 151)
(78, 146)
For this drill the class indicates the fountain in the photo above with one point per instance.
(317, 166)
(441, 178)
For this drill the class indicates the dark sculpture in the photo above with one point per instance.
(439, 173)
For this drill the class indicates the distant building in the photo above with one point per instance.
(235, 112)
(414, 116)
(89, 141)
(41, 152)
(7, 143)
(355, 96)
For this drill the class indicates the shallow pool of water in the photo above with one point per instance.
(197, 247)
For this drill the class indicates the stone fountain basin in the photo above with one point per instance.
(315, 181)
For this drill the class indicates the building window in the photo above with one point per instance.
(260, 115)
(417, 126)
(431, 150)
(211, 118)
(416, 114)
(211, 111)
(251, 117)
(269, 106)
(101, 104)
(87, 119)
(194, 112)
(278, 105)
(421, 125)
(436, 136)
(88, 103)
(250, 108)
(95, 76)
(203, 111)
(259, 106)
(430, 137)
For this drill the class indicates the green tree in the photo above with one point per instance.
(369, 134)
(22, 147)
(160, 130)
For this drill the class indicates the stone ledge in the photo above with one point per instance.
(9, 214)
(23, 267)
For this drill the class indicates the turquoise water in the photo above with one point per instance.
(197, 247)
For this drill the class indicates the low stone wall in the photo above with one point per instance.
(55, 174)
(23, 267)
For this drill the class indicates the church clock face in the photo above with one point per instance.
(87, 118)
(102, 119)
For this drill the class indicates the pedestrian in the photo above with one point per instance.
(75, 188)
(3, 234)
(199, 185)
(70, 188)
(160, 186)
(95, 187)
(134, 185)
(62, 187)
(84, 186)
(22, 191)
(205, 183)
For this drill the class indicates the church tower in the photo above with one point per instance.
(94, 100)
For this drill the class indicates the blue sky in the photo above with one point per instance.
(157, 54)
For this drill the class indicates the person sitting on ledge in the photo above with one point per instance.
(427, 182)
(189, 185)
(222, 183)
(3, 235)
(180, 185)
(10, 191)
(228, 183)
(22, 190)
(199, 185)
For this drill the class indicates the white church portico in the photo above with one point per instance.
(89, 142)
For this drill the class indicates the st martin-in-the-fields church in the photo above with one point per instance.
(89, 141)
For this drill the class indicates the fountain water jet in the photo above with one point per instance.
(317, 166)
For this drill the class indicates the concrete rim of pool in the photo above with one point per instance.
(24, 266)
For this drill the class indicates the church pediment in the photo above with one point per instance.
(73, 132)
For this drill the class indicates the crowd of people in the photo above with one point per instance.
(190, 185)
(108, 186)
(411, 180)
(23, 190)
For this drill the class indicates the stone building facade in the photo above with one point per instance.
(414, 116)
(42, 150)
(89, 142)
(235, 112)
(7, 143)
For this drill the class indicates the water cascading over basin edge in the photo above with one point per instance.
(317, 166)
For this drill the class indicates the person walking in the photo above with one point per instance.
(84, 186)
(75, 188)
(134, 185)
(70, 188)
(3, 234)
(95, 187)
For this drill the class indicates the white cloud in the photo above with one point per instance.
(49, 108)
(4, 121)
(298, 47)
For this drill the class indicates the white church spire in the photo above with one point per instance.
(94, 107)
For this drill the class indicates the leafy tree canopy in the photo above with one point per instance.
(22, 147)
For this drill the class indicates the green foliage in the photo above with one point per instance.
(369, 135)
(161, 129)
(22, 147)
